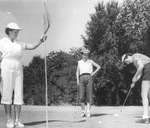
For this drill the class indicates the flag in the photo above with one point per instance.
(46, 18)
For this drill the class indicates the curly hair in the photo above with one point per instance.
(7, 31)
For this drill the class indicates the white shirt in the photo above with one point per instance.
(85, 66)
(11, 53)
(138, 56)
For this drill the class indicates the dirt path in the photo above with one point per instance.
(68, 117)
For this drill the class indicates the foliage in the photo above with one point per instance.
(61, 69)
(112, 31)
(133, 20)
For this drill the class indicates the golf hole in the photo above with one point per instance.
(116, 115)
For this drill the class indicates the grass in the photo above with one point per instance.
(63, 117)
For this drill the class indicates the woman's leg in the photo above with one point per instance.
(145, 94)
(10, 122)
(17, 109)
(18, 95)
(18, 98)
(82, 95)
(89, 92)
(7, 93)
(8, 111)
(83, 107)
(88, 107)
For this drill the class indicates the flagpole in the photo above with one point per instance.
(46, 94)
(45, 14)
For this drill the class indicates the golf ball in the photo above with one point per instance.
(99, 122)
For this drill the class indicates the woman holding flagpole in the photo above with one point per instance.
(12, 72)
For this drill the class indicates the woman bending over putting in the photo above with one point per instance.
(142, 64)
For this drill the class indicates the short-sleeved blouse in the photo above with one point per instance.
(11, 53)
(85, 67)
(143, 58)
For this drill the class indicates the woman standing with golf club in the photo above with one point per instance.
(84, 75)
(142, 64)
(12, 72)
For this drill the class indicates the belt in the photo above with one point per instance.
(85, 74)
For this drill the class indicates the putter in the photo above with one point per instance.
(125, 99)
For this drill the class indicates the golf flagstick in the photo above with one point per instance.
(126, 99)
(46, 25)
(46, 94)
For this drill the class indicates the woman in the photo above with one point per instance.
(84, 75)
(12, 72)
(142, 64)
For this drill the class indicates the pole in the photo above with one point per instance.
(46, 94)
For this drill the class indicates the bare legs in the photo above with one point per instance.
(17, 109)
(88, 108)
(8, 111)
(83, 107)
(145, 98)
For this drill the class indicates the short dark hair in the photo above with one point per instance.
(7, 31)
(126, 55)
(123, 64)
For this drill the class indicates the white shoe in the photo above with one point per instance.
(19, 124)
(88, 114)
(83, 114)
(10, 123)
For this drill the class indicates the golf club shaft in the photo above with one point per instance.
(126, 98)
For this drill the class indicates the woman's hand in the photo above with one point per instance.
(132, 85)
(92, 74)
(44, 38)
(78, 83)
(139, 76)
(134, 80)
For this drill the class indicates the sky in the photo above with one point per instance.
(68, 23)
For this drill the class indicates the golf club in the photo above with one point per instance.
(126, 99)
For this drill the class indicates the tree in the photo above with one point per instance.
(34, 81)
(133, 29)
(102, 41)
(133, 20)
(112, 32)
(61, 76)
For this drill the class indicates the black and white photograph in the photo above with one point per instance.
(74, 63)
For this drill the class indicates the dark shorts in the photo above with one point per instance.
(85, 89)
(146, 72)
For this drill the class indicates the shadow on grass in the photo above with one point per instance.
(101, 114)
(138, 116)
(42, 122)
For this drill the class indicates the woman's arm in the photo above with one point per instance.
(77, 75)
(138, 73)
(0, 70)
(0, 57)
(34, 46)
(97, 68)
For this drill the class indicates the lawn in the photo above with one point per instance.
(68, 117)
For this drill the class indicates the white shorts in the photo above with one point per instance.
(12, 81)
